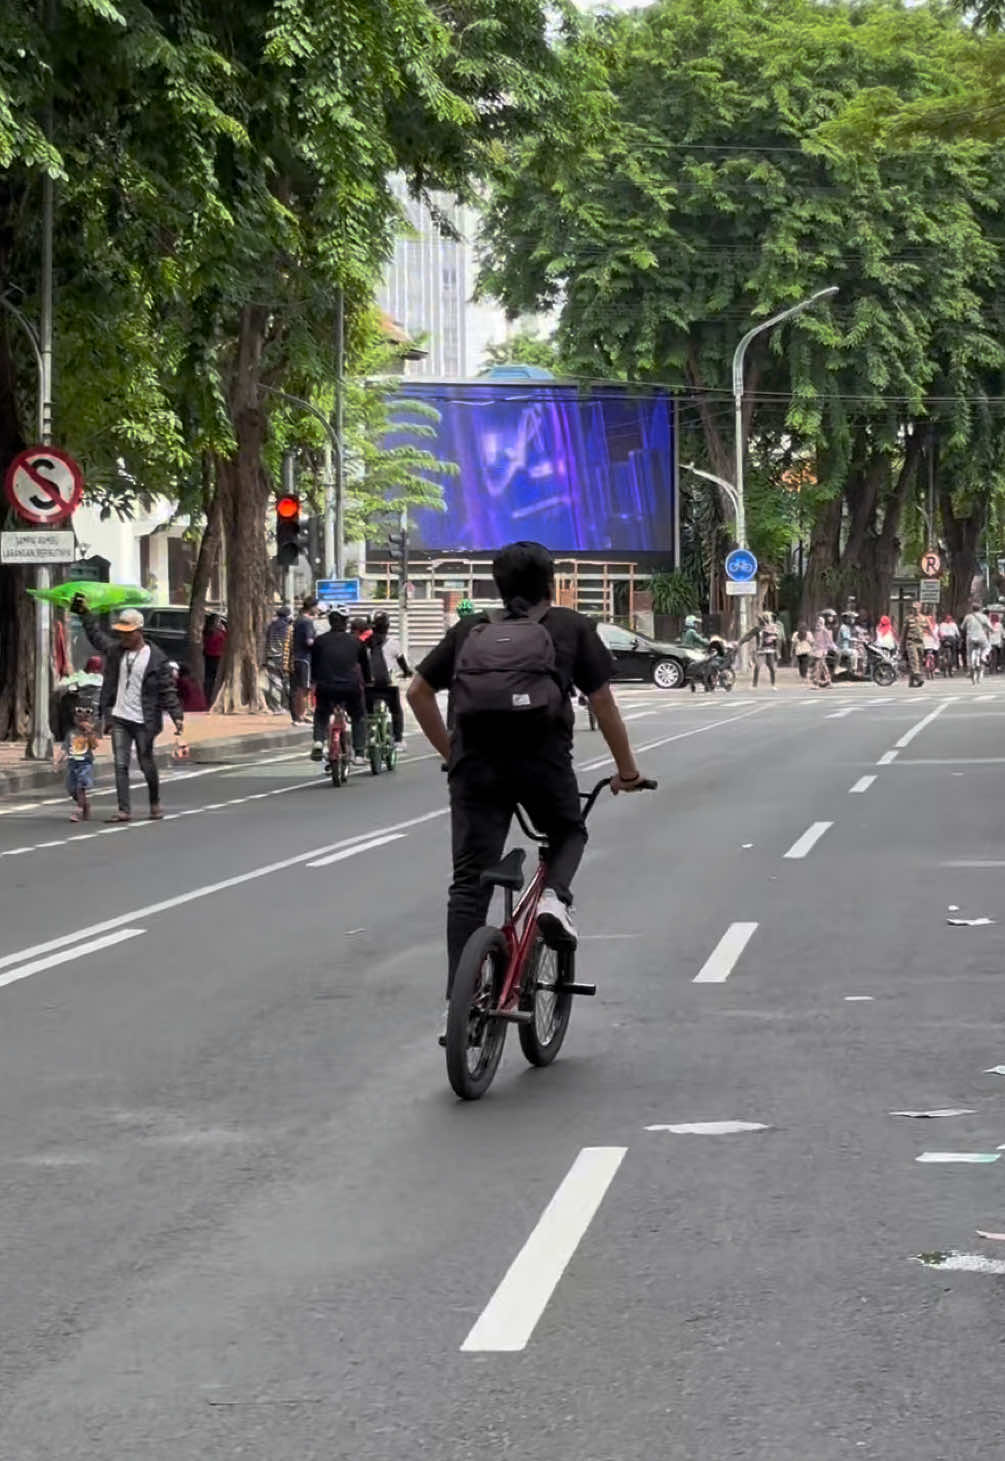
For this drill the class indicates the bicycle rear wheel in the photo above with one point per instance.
(474, 1041)
(547, 970)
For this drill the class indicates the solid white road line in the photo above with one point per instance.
(808, 840)
(887, 758)
(510, 1317)
(665, 740)
(840, 714)
(915, 730)
(209, 889)
(862, 784)
(722, 960)
(23, 971)
(360, 847)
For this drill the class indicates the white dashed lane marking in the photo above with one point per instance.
(806, 843)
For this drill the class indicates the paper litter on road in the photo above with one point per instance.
(961, 1262)
(859, 998)
(995, 1070)
(959, 1157)
(992, 1237)
(968, 922)
(710, 1128)
(746, 845)
(954, 908)
(949, 1111)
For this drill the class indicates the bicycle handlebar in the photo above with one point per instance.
(589, 801)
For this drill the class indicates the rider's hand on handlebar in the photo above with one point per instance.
(622, 783)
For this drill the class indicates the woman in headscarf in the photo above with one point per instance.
(949, 644)
(823, 645)
(884, 633)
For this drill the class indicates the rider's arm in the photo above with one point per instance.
(612, 728)
(422, 698)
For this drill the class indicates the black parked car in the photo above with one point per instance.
(636, 657)
(168, 629)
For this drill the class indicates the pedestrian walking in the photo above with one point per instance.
(302, 645)
(802, 650)
(997, 641)
(913, 640)
(276, 635)
(214, 644)
(137, 688)
(823, 645)
(949, 644)
(190, 692)
(74, 724)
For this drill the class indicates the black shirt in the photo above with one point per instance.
(303, 636)
(339, 661)
(582, 661)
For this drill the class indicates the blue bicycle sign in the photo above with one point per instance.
(741, 565)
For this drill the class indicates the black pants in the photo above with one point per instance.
(211, 668)
(483, 795)
(803, 660)
(391, 695)
(125, 735)
(326, 697)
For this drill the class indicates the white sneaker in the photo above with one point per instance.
(554, 919)
(441, 1039)
(317, 751)
(400, 745)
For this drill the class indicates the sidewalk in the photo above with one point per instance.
(210, 738)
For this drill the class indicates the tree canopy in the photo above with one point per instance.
(691, 189)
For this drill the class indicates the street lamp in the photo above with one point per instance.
(739, 356)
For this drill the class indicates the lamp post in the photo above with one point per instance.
(739, 356)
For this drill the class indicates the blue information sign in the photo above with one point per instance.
(741, 565)
(337, 590)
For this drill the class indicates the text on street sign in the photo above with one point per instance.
(37, 547)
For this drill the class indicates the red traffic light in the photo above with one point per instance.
(288, 507)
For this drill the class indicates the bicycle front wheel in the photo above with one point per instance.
(474, 1040)
(547, 970)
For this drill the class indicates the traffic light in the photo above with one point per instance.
(397, 549)
(287, 531)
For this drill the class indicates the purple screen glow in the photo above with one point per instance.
(588, 471)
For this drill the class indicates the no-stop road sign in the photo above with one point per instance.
(44, 485)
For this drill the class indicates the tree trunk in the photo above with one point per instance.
(963, 534)
(243, 488)
(205, 566)
(822, 560)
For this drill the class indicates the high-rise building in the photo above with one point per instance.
(429, 280)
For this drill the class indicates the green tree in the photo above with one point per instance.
(689, 190)
(526, 347)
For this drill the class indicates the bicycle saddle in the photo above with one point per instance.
(508, 873)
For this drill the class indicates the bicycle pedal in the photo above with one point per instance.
(589, 989)
(512, 1016)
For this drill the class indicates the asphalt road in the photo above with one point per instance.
(243, 1215)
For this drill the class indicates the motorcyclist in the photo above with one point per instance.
(692, 638)
(846, 644)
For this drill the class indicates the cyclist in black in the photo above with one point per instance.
(518, 749)
(340, 669)
(387, 665)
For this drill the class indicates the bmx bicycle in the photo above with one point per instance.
(510, 976)
(380, 747)
(338, 759)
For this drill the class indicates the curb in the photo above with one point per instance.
(39, 777)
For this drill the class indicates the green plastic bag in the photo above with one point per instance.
(100, 597)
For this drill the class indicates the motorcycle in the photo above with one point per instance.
(715, 671)
(883, 665)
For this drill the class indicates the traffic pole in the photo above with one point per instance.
(39, 747)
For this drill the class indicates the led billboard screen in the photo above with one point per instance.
(578, 470)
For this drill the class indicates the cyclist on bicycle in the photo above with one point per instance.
(511, 678)
(387, 666)
(340, 668)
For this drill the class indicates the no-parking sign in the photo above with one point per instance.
(44, 485)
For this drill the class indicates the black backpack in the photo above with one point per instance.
(506, 666)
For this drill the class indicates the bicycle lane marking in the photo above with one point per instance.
(511, 1315)
(723, 959)
(665, 740)
(208, 890)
